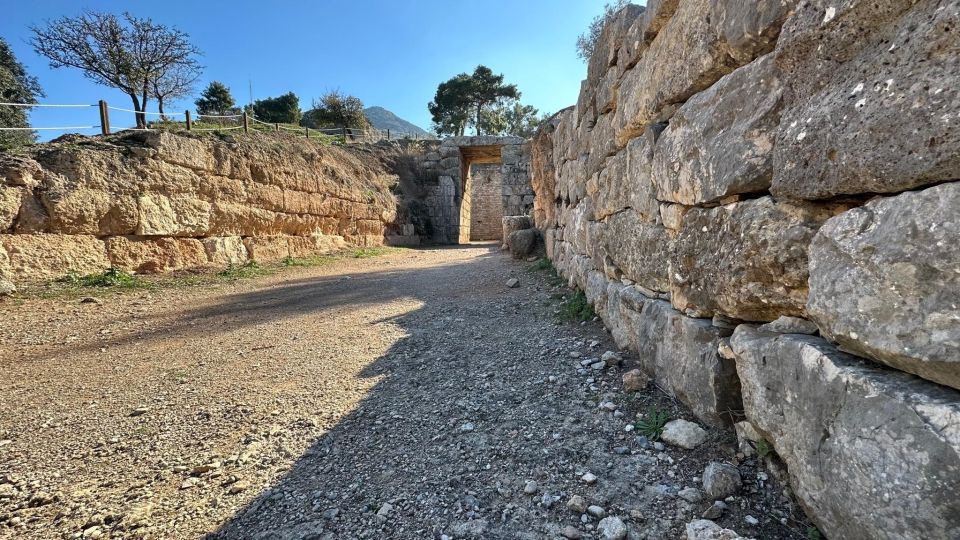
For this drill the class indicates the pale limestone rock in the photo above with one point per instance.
(885, 281)
(683, 434)
(150, 256)
(720, 142)
(872, 453)
(790, 325)
(32, 257)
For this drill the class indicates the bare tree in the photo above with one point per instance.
(174, 84)
(129, 54)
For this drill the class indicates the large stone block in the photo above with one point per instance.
(680, 353)
(885, 281)
(720, 142)
(172, 216)
(10, 202)
(225, 250)
(749, 29)
(639, 249)
(873, 454)
(873, 98)
(150, 256)
(685, 58)
(626, 182)
(746, 260)
(32, 257)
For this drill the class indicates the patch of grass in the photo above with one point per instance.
(243, 271)
(576, 308)
(763, 448)
(651, 425)
(112, 277)
(541, 265)
(366, 253)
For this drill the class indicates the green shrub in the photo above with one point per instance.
(576, 308)
(112, 277)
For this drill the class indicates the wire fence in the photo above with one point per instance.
(173, 121)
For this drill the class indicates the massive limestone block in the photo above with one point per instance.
(10, 202)
(172, 216)
(685, 58)
(720, 142)
(680, 353)
(608, 44)
(150, 256)
(873, 98)
(225, 250)
(32, 257)
(639, 249)
(872, 453)
(749, 29)
(626, 182)
(746, 260)
(885, 281)
(543, 172)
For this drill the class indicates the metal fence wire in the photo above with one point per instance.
(247, 122)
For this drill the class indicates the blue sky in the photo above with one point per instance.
(388, 53)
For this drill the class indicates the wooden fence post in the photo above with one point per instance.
(104, 118)
(246, 126)
(388, 134)
(189, 121)
(344, 134)
(306, 131)
(277, 126)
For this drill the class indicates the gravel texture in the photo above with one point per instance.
(413, 395)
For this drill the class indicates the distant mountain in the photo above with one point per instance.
(384, 119)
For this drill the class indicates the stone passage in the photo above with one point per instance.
(454, 200)
(795, 164)
(486, 208)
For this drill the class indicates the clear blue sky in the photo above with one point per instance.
(387, 53)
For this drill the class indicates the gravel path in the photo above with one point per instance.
(412, 395)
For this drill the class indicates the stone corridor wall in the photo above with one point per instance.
(763, 200)
(486, 217)
(153, 202)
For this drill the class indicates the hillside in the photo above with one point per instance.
(383, 119)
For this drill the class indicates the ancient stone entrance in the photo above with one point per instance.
(482, 179)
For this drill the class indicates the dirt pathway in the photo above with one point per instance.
(412, 395)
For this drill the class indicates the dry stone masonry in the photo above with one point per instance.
(153, 202)
(791, 162)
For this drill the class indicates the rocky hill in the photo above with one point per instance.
(383, 119)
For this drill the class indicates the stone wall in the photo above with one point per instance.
(153, 202)
(486, 216)
(730, 164)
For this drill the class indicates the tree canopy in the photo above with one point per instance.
(216, 99)
(463, 100)
(283, 109)
(335, 109)
(511, 118)
(16, 86)
(132, 54)
(587, 41)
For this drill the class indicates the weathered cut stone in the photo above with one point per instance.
(720, 480)
(640, 250)
(625, 182)
(523, 243)
(543, 172)
(885, 281)
(873, 98)
(749, 29)
(608, 44)
(514, 223)
(720, 142)
(746, 260)
(685, 58)
(33, 257)
(681, 354)
(872, 453)
(10, 201)
(225, 250)
(150, 256)
(790, 325)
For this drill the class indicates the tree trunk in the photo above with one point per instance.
(477, 124)
(160, 108)
(136, 106)
(142, 117)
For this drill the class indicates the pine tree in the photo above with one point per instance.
(16, 86)
(215, 100)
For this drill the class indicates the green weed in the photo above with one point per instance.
(112, 277)
(651, 425)
(763, 448)
(251, 269)
(813, 533)
(576, 308)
